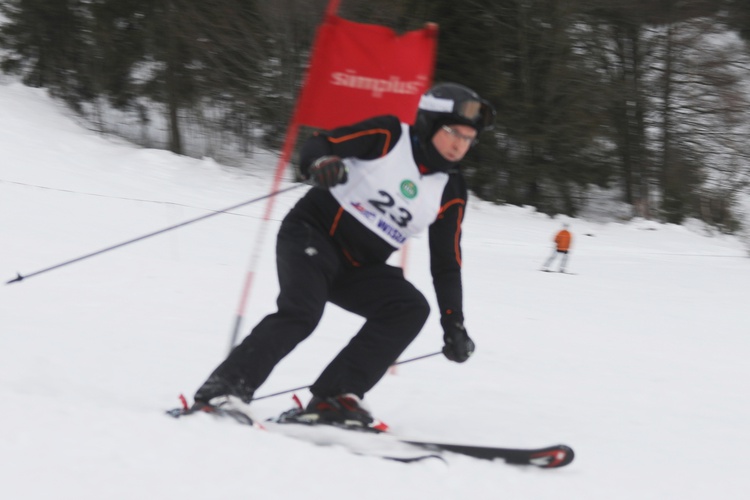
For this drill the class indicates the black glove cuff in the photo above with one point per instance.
(453, 318)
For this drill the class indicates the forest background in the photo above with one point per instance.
(643, 102)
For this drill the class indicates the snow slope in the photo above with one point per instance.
(639, 361)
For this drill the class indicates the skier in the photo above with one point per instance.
(375, 184)
(562, 247)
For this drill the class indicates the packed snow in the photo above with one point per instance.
(638, 360)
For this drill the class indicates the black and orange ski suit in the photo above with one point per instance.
(324, 254)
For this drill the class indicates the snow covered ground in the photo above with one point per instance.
(639, 361)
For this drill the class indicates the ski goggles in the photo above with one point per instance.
(478, 112)
(475, 112)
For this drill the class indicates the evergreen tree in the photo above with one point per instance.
(46, 43)
(118, 47)
(624, 93)
(521, 56)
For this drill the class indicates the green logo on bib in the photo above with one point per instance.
(409, 189)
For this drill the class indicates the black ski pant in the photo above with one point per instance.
(312, 271)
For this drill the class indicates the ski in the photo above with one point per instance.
(217, 411)
(547, 458)
(410, 455)
(371, 441)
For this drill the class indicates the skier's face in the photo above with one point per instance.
(454, 141)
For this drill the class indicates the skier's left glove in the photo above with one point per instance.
(458, 346)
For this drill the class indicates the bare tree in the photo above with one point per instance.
(703, 111)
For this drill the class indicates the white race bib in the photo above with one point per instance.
(389, 195)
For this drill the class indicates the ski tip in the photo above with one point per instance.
(215, 411)
(553, 457)
(174, 412)
(183, 409)
(379, 425)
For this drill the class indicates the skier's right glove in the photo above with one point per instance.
(458, 346)
(327, 171)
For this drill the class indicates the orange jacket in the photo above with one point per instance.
(562, 239)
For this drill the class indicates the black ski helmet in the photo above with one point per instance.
(452, 103)
(448, 104)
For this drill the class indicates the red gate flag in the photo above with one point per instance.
(362, 70)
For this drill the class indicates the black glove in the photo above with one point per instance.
(327, 171)
(458, 346)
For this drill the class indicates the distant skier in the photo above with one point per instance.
(562, 241)
(376, 183)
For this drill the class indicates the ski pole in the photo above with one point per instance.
(307, 386)
(149, 235)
